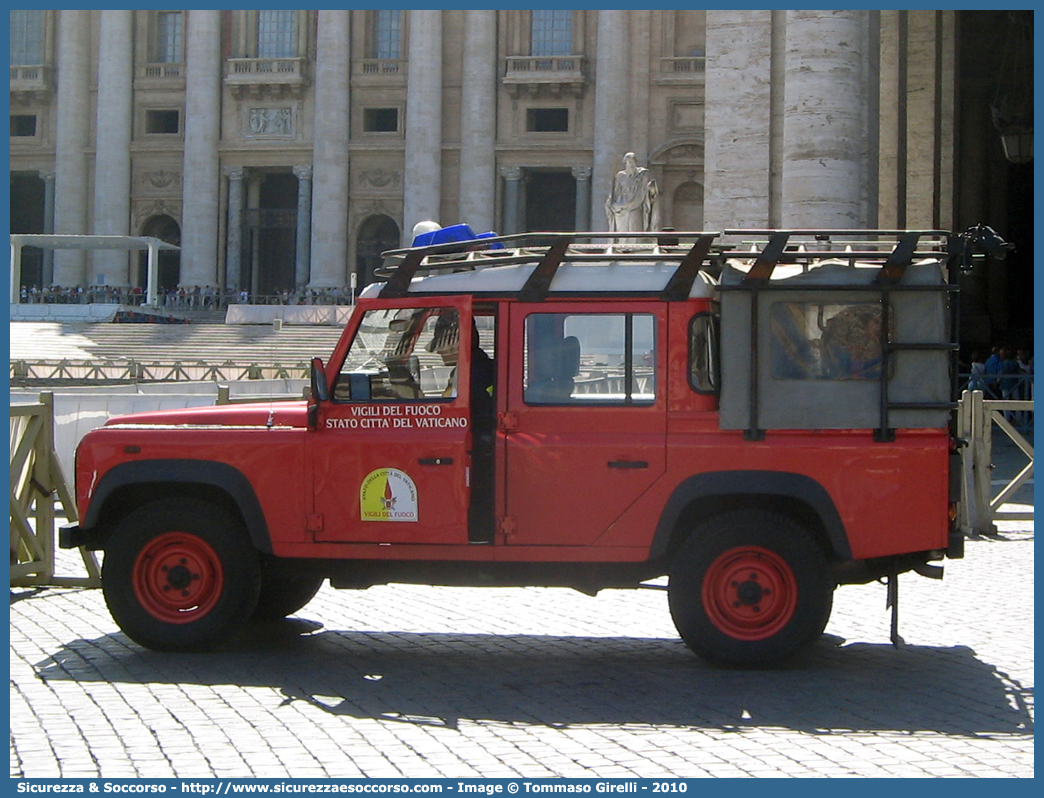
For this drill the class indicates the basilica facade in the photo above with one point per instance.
(285, 150)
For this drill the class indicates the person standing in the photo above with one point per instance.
(977, 382)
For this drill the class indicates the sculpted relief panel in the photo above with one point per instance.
(160, 181)
(378, 178)
(270, 122)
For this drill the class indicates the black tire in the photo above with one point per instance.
(284, 594)
(750, 588)
(180, 575)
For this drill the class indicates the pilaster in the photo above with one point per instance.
(477, 133)
(421, 200)
(199, 235)
(72, 137)
(304, 225)
(329, 228)
(112, 173)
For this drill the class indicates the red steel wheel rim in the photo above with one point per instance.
(749, 593)
(178, 578)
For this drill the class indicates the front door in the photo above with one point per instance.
(391, 450)
(585, 432)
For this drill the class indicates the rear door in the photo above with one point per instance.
(585, 432)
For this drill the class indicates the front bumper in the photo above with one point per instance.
(72, 536)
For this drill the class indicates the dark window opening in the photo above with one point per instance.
(162, 121)
(547, 120)
(821, 341)
(380, 120)
(703, 353)
(550, 200)
(588, 358)
(23, 125)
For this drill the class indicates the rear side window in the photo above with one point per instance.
(703, 353)
(821, 341)
(590, 358)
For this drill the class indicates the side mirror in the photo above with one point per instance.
(320, 390)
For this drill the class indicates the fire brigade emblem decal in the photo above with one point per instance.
(388, 494)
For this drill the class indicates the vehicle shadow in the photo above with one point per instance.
(441, 679)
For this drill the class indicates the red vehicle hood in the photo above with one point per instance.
(259, 414)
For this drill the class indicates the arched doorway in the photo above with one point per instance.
(376, 234)
(687, 206)
(166, 229)
(27, 216)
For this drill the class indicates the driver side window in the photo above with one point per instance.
(401, 355)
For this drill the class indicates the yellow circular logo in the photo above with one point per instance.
(388, 494)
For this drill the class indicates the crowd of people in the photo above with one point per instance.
(184, 298)
(1004, 374)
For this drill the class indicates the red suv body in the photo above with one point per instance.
(760, 427)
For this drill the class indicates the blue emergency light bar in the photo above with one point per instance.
(451, 235)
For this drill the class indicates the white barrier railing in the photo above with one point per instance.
(980, 507)
(37, 481)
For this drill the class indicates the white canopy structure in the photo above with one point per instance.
(153, 245)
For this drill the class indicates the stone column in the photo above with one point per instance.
(423, 177)
(825, 120)
(252, 183)
(477, 133)
(329, 248)
(201, 201)
(304, 226)
(582, 220)
(47, 275)
(234, 233)
(612, 93)
(738, 124)
(112, 170)
(72, 138)
(512, 184)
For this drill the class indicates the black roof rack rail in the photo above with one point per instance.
(892, 249)
(896, 248)
(550, 251)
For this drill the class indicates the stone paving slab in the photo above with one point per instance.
(412, 681)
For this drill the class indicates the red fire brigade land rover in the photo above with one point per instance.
(758, 415)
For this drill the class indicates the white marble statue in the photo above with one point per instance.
(633, 205)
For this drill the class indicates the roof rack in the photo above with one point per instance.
(689, 250)
(892, 250)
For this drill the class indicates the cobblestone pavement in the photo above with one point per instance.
(409, 681)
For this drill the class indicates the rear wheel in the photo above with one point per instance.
(750, 588)
(180, 575)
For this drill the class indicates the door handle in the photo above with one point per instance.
(628, 463)
(437, 461)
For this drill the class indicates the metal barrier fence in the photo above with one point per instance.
(999, 386)
(206, 298)
(37, 482)
(977, 416)
(25, 372)
(224, 397)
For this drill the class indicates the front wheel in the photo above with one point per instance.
(750, 588)
(180, 575)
